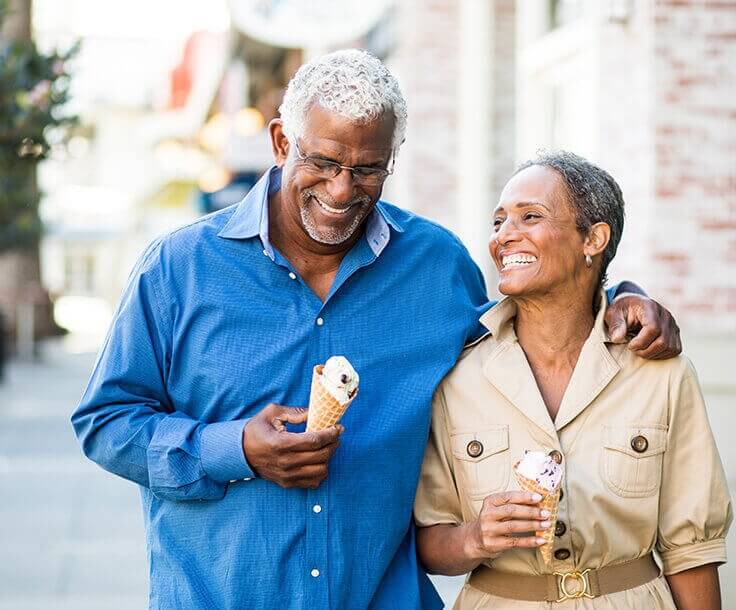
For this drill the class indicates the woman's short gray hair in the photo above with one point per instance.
(352, 83)
(593, 194)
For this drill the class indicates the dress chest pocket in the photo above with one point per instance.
(482, 458)
(631, 462)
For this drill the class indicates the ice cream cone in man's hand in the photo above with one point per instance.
(334, 387)
(539, 473)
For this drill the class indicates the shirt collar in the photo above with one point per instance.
(251, 216)
(499, 319)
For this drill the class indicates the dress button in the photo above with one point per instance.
(317, 508)
(639, 443)
(320, 321)
(315, 573)
(474, 448)
(562, 554)
(560, 529)
(556, 456)
(292, 275)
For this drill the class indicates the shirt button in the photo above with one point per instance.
(317, 508)
(562, 554)
(292, 275)
(315, 573)
(639, 443)
(474, 448)
(320, 321)
(265, 252)
(560, 529)
(556, 456)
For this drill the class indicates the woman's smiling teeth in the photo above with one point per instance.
(518, 260)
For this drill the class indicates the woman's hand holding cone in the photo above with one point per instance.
(503, 517)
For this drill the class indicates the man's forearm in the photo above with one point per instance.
(175, 456)
(696, 589)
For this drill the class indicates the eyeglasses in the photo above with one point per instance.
(327, 169)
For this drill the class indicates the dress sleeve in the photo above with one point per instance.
(437, 499)
(695, 507)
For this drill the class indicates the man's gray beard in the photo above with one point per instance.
(336, 236)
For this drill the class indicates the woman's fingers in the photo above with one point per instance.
(514, 542)
(508, 512)
(509, 528)
(506, 517)
(512, 497)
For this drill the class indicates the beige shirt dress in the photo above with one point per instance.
(641, 471)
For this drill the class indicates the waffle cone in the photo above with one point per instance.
(550, 502)
(324, 409)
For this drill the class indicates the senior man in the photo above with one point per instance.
(220, 326)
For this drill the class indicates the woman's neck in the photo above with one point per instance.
(552, 328)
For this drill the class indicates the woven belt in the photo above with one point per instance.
(561, 586)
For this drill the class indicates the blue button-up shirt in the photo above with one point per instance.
(214, 325)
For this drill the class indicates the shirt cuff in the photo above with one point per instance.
(221, 451)
(620, 295)
(693, 555)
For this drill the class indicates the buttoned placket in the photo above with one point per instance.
(563, 552)
(316, 507)
(317, 500)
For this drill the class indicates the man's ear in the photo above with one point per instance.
(279, 141)
(598, 237)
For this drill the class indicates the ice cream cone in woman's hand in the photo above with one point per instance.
(539, 473)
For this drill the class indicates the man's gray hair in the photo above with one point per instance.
(351, 83)
(593, 194)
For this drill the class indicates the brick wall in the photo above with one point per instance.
(456, 63)
(668, 108)
(695, 160)
(426, 60)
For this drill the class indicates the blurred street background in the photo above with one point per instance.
(159, 115)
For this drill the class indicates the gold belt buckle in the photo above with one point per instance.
(581, 592)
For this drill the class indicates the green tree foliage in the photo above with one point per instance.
(34, 87)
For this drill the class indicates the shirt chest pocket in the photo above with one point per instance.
(631, 463)
(482, 459)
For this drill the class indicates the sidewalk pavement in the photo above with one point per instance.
(71, 534)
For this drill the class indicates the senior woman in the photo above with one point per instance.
(641, 472)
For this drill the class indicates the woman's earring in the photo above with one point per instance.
(588, 261)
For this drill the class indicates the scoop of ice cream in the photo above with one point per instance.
(539, 467)
(340, 378)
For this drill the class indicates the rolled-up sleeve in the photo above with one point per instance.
(437, 499)
(695, 506)
(126, 421)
